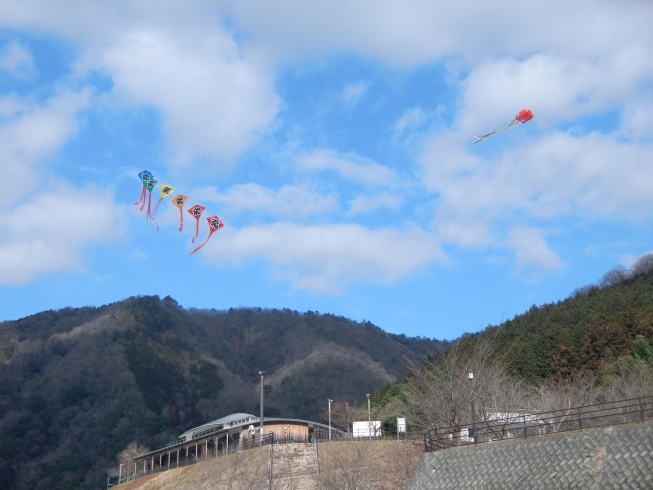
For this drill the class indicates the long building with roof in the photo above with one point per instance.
(227, 434)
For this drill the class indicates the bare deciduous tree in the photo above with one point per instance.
(250, 470)
(243, 470)
(343, 414)
(631, 380)
(345, 466)
(643, 265)
(441, 394)
(126, 458)
(563, 398)
(614, 276)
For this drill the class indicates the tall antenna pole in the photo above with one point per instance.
(262, 430)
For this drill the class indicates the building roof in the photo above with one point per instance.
(233, 420)
(224, 425)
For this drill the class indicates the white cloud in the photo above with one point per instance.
(593, 175)
(350, 166)
(354, 92)
(366, 204)
(637, 118)
(325, 258)
(30, 134)
(289, 200)
(555, 87)
(49, 232)
(465, 231)
(418, 31)
(215, 103)
(45, 225)
(215, 97)
(411, 119)
(532, 250)
(17, 61)
(579, 173)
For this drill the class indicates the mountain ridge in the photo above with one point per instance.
(77, 385)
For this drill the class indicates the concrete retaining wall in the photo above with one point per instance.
(619, 457)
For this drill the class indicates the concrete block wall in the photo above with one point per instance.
(619, 457)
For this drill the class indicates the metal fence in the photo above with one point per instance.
(502, 426)
(174, 460)
(379, 434)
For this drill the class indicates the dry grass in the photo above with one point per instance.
(245, 470)
(344, 465)
(363, 465)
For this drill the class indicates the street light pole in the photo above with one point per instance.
(262, 430)
(330, 400)
(369, 418)
(470, 377)
(120, 473)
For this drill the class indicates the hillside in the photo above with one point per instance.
(78, 385)
(594, 346)
(587, 331)
(375, 465)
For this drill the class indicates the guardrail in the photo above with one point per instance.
(497, 426)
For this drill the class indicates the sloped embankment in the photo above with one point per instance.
(376, 465)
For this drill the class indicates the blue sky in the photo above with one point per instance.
(334, 140)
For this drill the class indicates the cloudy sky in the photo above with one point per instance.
(334, 139)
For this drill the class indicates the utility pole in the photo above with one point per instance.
(262, 430)
(369, 418)
(330, 400)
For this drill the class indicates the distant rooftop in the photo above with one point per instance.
(232, 420)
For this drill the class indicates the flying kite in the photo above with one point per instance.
(145, 176)
(196, 211)
(166, 190)
(179, 202)
(149, 186)
(522, 116)
(214, 225)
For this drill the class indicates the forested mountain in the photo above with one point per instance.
(595, 346)
(588, 331)
(78, 385)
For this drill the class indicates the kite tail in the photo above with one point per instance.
(205, 242)
(156, 207)
(142, 199)
(197, 231)
(149, 207)
(498, 130)
(181, 220)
